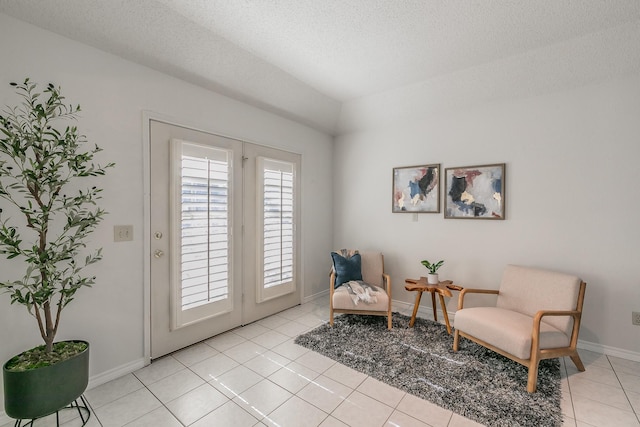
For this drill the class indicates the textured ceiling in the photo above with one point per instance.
(305, 58)
(348, 49)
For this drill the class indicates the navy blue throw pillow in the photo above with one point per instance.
(347, 268)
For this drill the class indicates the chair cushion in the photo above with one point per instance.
(342, 300)
(527, 290)
(372, 267)
(346, 268)
(507, 330)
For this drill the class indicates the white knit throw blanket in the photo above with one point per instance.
(361, 291)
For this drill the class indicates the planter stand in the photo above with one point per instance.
(83, 411)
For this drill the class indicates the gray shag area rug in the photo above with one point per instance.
(474, 382)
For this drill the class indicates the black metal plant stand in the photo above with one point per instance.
(83, 411)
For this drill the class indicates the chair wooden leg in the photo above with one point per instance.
(456, 338)
(532, 380)
(330, 317)
(389, 323)
(575, 358)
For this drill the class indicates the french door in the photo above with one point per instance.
(224, 235)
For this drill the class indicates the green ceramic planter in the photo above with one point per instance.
(43, 391)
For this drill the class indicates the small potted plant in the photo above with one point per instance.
(50, 210)
(432, 276)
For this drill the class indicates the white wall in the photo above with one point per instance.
(571, 195)
(113, 93)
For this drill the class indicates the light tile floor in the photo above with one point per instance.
(257, 376)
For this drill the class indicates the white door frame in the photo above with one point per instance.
(147, 117)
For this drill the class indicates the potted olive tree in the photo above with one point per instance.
(49, 211)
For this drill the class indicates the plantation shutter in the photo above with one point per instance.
(276, 192)
(201, 231)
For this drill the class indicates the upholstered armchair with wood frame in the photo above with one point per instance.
(537, 316)
(359, 285)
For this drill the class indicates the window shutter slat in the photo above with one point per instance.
(277, 223)
(204, 223)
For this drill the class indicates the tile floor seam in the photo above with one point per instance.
(315, 406)
(626, 394)
(340, 404)
(93, 411)
(165, 404)
(118, 398)
(161, 403)
(145, 414)
(403, 412)
(450, 419)
(566, 373)
(388, 418)
(630, 411)
(616, 374)
(376, 399)
(279, 406)
(197, 419)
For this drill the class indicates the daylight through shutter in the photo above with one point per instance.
(277, 226)
(202, 229)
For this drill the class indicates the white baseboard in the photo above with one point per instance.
(310, 298)
(95, 381)
(115, 373)
(609, 351)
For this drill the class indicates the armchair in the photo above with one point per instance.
(371, 292)
(537, 316)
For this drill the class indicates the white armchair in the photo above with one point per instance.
(372, 294)
(537, 316)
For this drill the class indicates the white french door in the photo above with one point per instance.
(223, 244)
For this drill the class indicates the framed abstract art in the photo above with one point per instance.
(475, 192)
(416, 189)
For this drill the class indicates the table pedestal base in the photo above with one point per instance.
(441, 289)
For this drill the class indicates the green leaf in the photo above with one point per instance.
(432, 267)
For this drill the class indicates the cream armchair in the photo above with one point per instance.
(367, 267)
(537, 316)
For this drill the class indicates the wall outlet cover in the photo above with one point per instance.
(122, 233)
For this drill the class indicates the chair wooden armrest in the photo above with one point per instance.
(332, 283)
(386, 280)
(552, 352)
(466, 291)
(541, 313)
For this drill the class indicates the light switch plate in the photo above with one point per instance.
(122, 233)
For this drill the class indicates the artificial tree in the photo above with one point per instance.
(44, 166)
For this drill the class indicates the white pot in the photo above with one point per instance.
(433, 279)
